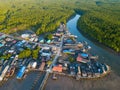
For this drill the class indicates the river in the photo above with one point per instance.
(109, 82)
(105, 56)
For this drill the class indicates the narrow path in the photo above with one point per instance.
(44, 79)
(18, 38)
(53, 63)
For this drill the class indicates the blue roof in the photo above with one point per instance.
(22, 69)
(21, 72)
(66, 51)
(84, 55)
(1, 44)
(48, 41)
(19, 43)
(42, 41)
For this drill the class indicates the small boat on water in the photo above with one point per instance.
(85, 43)
(93, 57)
(73, 36)
(84, 50)
(88, 47)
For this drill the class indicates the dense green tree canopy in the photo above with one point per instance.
(35, 53)
(25, 53)
(103, 25)
(49, 36)
(100, 19)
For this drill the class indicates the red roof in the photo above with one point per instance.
(57, 68)
(79, 58)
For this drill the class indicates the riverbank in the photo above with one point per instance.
(110, 82)
(105, 56)
(66, 83)
(85, 78)
(98, 43)
(91, 37)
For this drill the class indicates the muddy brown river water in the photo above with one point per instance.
(110, 82)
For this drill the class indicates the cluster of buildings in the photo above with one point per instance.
(74, 58)
(30, 37)
(11, 47)
(77, 61)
